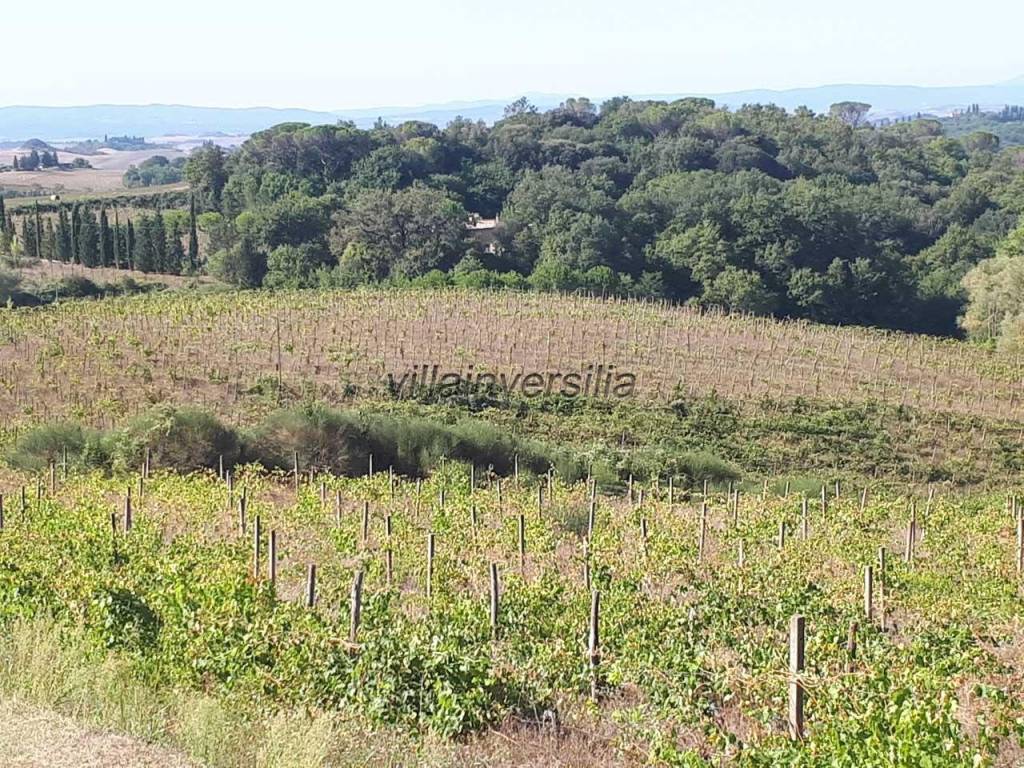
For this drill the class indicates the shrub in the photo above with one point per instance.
(184, 439)
(36, 449)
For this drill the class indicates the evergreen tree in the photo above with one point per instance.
(76, 225)
(56, 162)
(3, 215)
(106, 244)
(193, 235)
(28, 237)
(129, 243)
(158, 236)
(175, 254)
(117, 240)
(146, 254)
(16, 164)
(64, 252)
(38, 232)
(50, 241)
(88, 239)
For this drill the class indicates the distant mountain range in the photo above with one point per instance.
(18, 123)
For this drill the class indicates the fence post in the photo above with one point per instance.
(430, 565)
(881, 588)
(796, 667)
(272, 559)
(256, 548)
(594, 642)
(869, 612)
(494, 601)
(356, 606)
(311, 585)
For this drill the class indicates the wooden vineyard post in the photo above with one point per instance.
(863, 499)
(495, 597)
(1, 511)
(64, 463)
(851, 646)
(591, 518)
(1020, 542)
(389, 561)
(355, 606)
(908, 554)
(796, 668)
(869, 609)
(473, 517)
(804, 519)
(881, 588)
(671, 492)
(586, 564)
(594, 642)
(643, 534)
(522, 543)
(311, 585)
(741, 556)
(629, 489)
(782, 534)
(515, 471)
(391, 482)
(540, 500)
(242, 508)
(295, 470)
(703, 533)
(272, 559)
(128, 510)
(736, 508)
(824, 501)
(364, 530)
(472, 479)
(430, 565)
(370, 468)
(256, 533)
(337, 509)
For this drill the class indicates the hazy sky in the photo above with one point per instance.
(330, 55)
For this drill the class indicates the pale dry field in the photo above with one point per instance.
(106, 174)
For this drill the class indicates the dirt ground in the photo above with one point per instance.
(36, 738)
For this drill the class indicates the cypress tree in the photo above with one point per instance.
(76, 223)
(129, 242)
(146, 256)
(193, 235)
(28, 237)
(117, 240)
(64, 252)
(158, 237)
(15, 162)
(39, 233)
(88, 239)
(3, 215)
(106, 246)
(175, 254)
(50, 241)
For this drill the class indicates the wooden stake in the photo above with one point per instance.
(881, 588)
(851, 646)
(430, 565)
(796, 668)
(256, 548)
(355, 606)
(594, 642)
(311, 585)
(869, 610)
(494, 601)
(272, 559)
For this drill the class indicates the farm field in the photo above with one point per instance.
(103, 360)
(170, 604)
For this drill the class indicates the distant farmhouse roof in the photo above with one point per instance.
(484, 231)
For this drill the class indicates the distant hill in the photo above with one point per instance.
(86, 122)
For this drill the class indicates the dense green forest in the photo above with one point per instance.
(760, 210)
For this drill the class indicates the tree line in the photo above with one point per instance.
(162, 241)
(824, 217)
(35, 160)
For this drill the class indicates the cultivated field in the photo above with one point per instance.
(653, 628)
(102, 361)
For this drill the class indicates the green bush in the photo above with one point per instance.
(34, 450)
(184, 439)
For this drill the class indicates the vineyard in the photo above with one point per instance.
(104, 361)
(467, 617)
